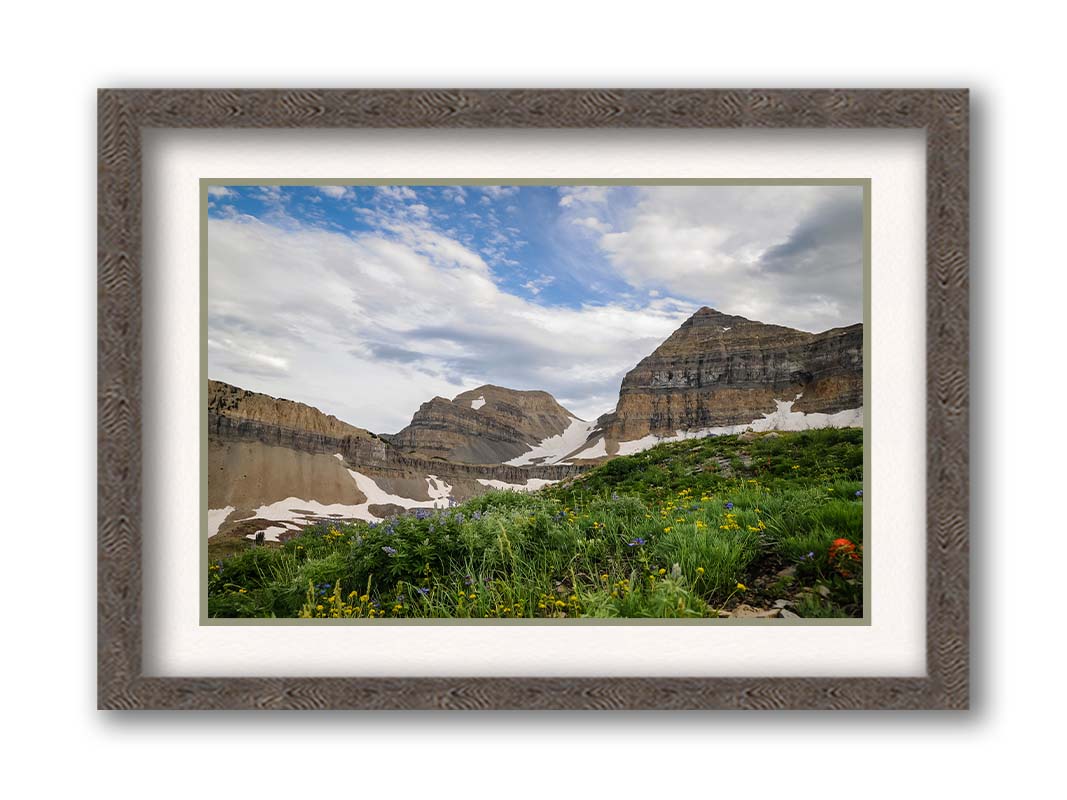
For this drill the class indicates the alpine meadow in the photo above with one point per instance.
(552, 402)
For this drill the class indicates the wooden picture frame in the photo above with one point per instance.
(122, 117)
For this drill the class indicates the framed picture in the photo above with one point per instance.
(533, 399)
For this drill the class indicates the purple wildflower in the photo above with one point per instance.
(635, 542)
(389, 551)
(423, 591)
(729, 505)
(859, 493)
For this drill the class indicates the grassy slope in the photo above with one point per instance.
(674, 531)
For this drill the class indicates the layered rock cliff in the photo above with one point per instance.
(236, 403)
(275, 464)
(720, 370)
(487, 425)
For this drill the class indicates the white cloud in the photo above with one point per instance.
(457, 194)
(790, 255)
(396, 192)
(535, 286)
(220, 191)
(577, 195)
(337, 192)
(592, 223)
(368, 328)
(499, 192)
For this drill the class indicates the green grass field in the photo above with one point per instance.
(687, 529)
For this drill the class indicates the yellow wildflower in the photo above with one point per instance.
(742, 587)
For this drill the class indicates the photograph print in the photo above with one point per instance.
(616, 400)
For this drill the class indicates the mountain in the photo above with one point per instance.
(275, 464)
(720, 373)
(492, 425)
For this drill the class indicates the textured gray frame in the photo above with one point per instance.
(123, 114)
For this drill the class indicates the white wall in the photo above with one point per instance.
(53, 61)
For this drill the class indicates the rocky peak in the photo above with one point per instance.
(225, 400)
(720, 369)
(487, 425)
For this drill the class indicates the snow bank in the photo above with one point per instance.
(553, 449)
(293, 512)
(215, 518)
(476, 404)
(783, 418)
(598, 449)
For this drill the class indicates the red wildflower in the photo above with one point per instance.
(842, 550)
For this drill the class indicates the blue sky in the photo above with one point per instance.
(367, 301)
(522, 233)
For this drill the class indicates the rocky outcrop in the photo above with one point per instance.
(487, 425)
(236, 403)
(721, 370)
(375, 455)
(274, 465)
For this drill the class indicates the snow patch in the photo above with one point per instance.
(553, 449)
(476, 404)
(532, 484)
(439, 492)
(438, 489)
(339, 457)
(637, 445)
(215, 518)
(598, 449)
(783, 418)
(293, 512)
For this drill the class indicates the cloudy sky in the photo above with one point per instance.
(367, 301)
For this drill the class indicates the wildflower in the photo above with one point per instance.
(614, 496)
(742, 587)
(476, 515)
(859, 493)
(662, 572)
(636, 542)
(468, 580)
(667, 529)
(700, 570)
(389, 551)
(364, 598)
(843, 547)
(796, 466)
(423, 591)
(729, 505)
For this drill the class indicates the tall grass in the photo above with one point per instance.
(671, 532)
